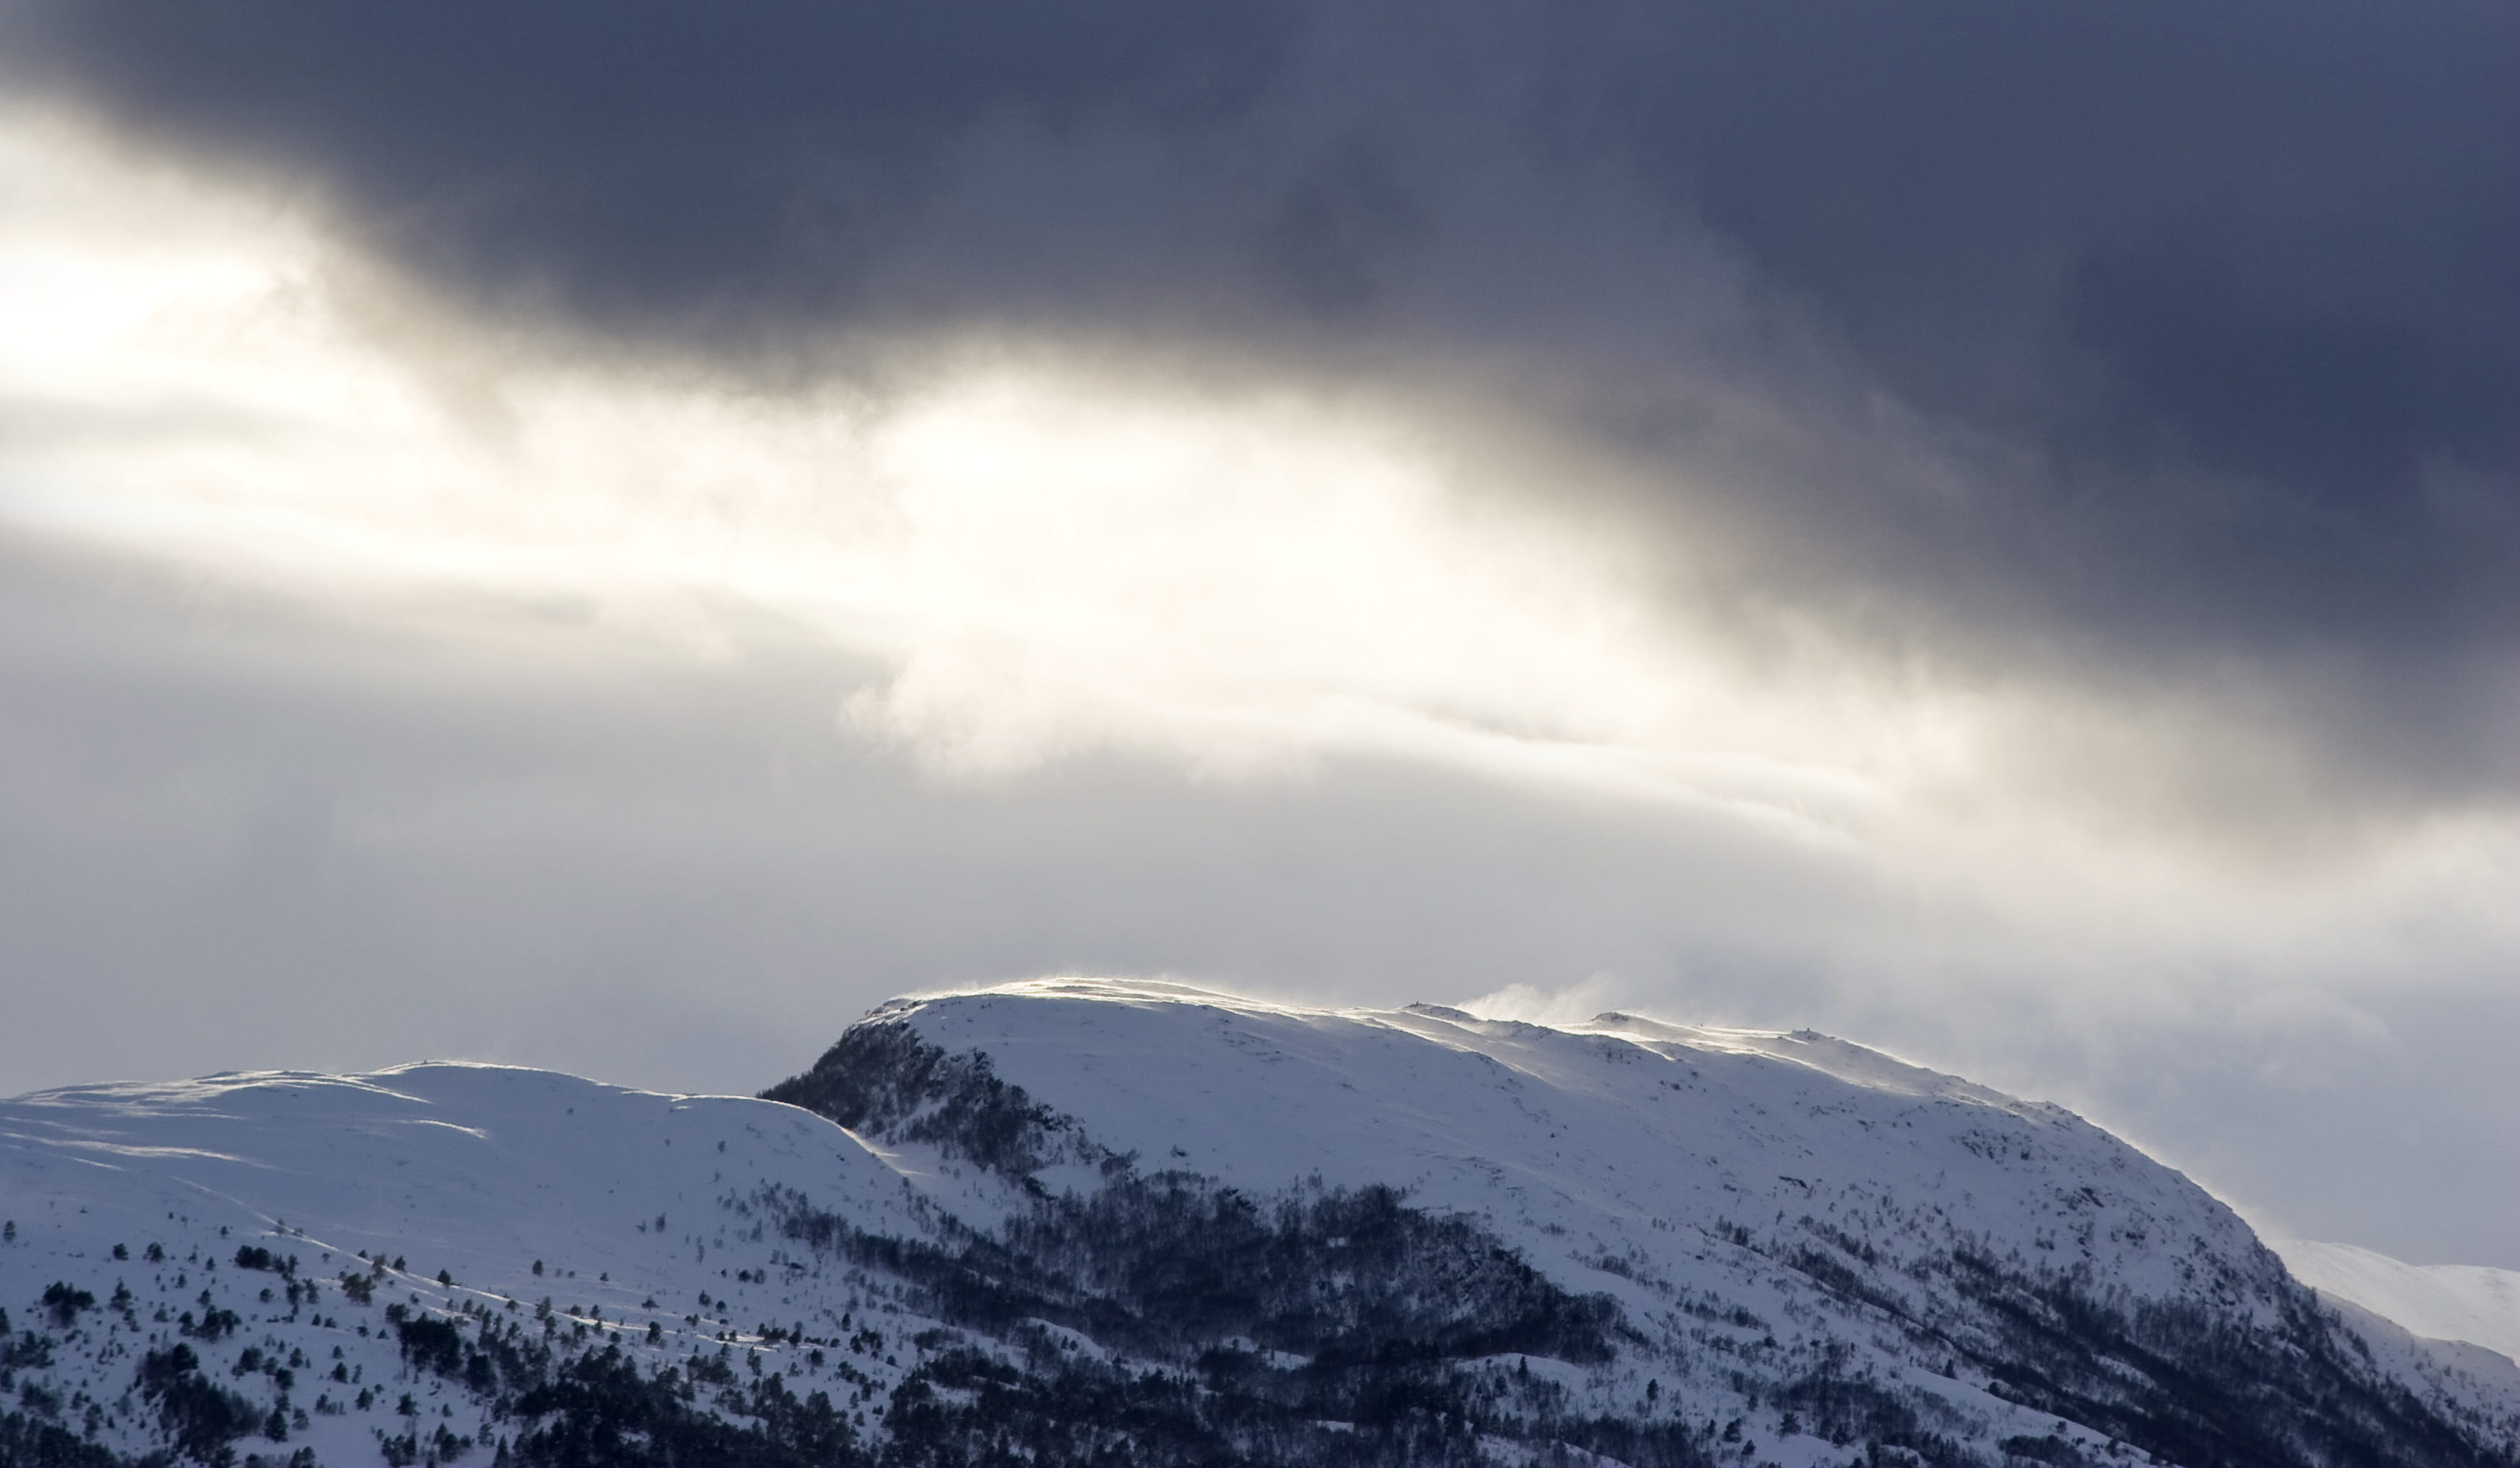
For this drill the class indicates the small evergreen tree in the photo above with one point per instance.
(66, 1302)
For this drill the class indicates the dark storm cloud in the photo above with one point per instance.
(2150, 333)
(663, 166)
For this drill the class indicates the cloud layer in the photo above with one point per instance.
(2167, 326)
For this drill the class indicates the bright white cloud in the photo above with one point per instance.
(1052, 558)
(1049, 554)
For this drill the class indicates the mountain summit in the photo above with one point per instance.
(1101, 1223)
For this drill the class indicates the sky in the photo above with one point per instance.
(617, 537)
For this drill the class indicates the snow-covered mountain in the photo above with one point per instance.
(1086, 1221)
(2453, 1303)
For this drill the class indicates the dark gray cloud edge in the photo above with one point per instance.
(2205, 314)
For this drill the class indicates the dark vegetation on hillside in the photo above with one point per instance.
(2196, 1386)
(1328, 1326)
(885, 1081)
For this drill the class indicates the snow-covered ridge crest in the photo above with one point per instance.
(1855, 1064)
(1079, 1216)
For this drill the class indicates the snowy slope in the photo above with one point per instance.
(1616, 1155)
(1624, 1129)
(2446, 1302)
(1073, 1219)
(481, 1172)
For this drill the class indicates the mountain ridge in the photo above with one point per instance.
(1097, 1221)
